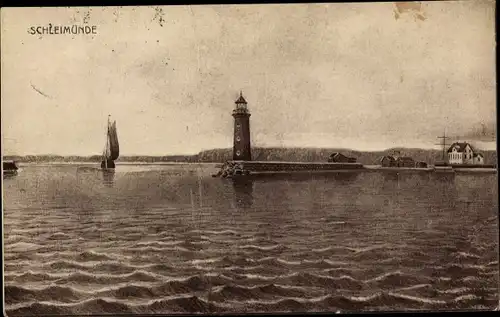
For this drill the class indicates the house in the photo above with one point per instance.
(478, 158)
(463, 153)
(421, 165)
(388, 161)
(341, 158)
(405, 161)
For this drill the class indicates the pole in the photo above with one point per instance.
(443, 144)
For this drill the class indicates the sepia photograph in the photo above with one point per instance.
(249, 158)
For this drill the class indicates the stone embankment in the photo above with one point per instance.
(233, 168)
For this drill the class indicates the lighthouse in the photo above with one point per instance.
(241, 145)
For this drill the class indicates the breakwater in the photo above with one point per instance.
(488, 166)
(232, 168)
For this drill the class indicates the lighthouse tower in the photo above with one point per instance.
(241, 146)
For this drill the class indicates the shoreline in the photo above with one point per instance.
(117, 163)
(344, 169)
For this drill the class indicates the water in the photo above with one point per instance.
(164, 239)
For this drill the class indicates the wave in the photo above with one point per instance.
(175, 248)
(287, 262)
(345, 303)
(338, 303)
(30, 276)
(237, 292)
(466, 255)
(157, 268)
(21, 247)
(297, 279)
(63, 266)
(186, 304)
(279, 263)
(205, 261)
(326, 282)
(261, 279)
(368, 249)
(276, 263)
(159, 243)
(195, 304)
(173, 286)
(92, 256)
(292, 289)
(16, 294)
(397, 279)
(12, 238)
(214, 232)
(337, 272)
(93, 306)
(87, 278)
(460, 290)
(322, 250)
(228, 263)
(458, 271)
(372, 255)
(59, 236)
(263, 248)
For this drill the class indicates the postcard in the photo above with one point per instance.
(263, 158)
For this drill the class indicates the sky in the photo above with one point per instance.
(365, 76)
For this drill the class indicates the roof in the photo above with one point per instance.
(337, 153)
(460, 146)
(405, 158)
(478, 154)
(390, 157)
(241, 99)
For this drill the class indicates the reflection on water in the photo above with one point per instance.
(444, 176)
(108, 177)
(334, 176)
(345, 177)
(243, 192)
(244, 186)
(391, 176)
(9, 174)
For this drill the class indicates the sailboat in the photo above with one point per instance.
(112, 150)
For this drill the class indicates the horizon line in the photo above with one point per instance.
(229, 148)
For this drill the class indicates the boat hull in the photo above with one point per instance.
(108, 164)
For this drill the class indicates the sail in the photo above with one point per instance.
(114, 147)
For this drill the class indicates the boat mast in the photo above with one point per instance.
(107, 144)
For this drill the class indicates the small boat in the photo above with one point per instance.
(112, 149)
(9, 168)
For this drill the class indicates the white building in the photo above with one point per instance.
(478, 158)
(463, 153)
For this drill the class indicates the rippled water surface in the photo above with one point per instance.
(162, 239)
